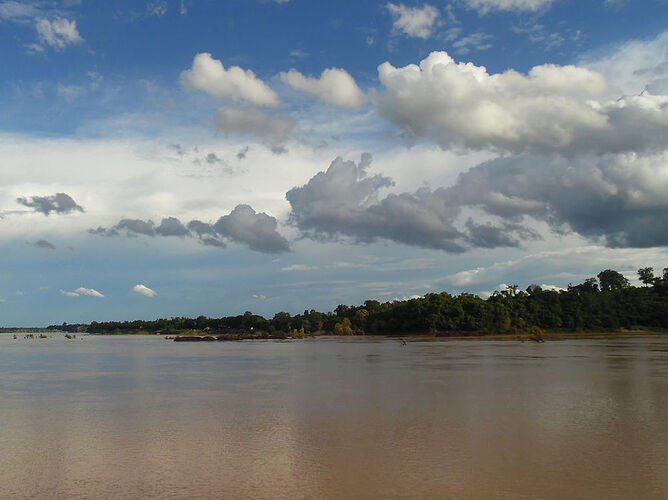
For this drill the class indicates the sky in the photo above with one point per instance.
(195, 157)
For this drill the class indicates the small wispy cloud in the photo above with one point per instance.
(298, 268)
(70, 93)
(417, 22)
(159, 8)
(90, 292)
(243, 152)
(44, 244)
(18, 12)
(298, 54)
(58, 33)
(475, 41)
(486, 6)
(537, 34)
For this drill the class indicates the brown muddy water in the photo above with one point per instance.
(142, 417)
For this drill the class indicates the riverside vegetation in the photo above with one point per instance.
(603, 304)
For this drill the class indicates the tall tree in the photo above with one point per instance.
(610, 280)
(646, 275)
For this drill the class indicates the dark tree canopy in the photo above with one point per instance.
(612, 280)
(646, 275)
(589, 285)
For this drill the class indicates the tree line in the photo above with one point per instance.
(605, 302)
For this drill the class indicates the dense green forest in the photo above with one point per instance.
(607, 302)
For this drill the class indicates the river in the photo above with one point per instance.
(143, 417)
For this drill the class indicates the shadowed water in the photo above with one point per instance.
(103, 417)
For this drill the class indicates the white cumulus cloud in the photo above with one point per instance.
(418, 22)
(144, 290)
(233, 83)
(552, 108)
(335, 86)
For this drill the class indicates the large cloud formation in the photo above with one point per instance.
(566, 109)
(59, 203)
(585, 156)
(244, 88)
(616, 199)
(344, 201)
(577, 153)
(257, 231)
(619, 200)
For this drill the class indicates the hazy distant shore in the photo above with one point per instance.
(416, 337)
(199, 335)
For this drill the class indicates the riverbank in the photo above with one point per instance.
(199, 336)
(204, 335)
(546, 336)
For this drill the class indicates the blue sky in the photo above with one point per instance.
(169, 158)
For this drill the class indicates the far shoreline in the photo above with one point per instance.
(195, 335)
(546, 336)
(417, 337)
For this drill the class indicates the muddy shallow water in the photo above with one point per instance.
(142, 417)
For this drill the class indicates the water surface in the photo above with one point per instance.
(139, 416)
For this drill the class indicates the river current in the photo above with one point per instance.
(143, 417)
